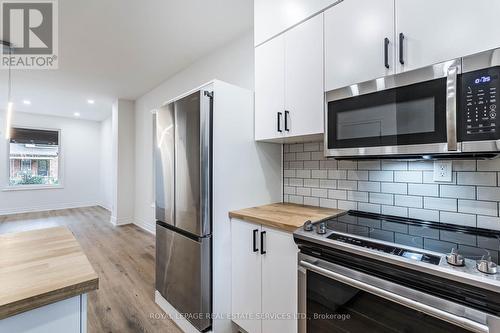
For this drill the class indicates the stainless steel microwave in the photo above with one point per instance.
(444, 110)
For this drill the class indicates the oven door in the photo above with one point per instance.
(412, 113)
(337, 299)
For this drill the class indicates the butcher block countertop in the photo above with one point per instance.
(41, 267)
(284, 216)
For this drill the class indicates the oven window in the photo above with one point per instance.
(414, 114)
(336, 307)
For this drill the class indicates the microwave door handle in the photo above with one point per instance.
(451, 107)
(407, 302)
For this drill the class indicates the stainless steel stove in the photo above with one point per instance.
(364, 272)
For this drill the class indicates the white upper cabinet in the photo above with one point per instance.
(289, 91)
(304, 93)
(270, 89)
(272, 17)
(358, 35)
(436, 31)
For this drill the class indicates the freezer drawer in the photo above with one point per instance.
(183, 274)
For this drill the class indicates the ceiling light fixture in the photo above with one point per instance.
(27, 102)
(10, 105)
(90, 101)
(76, 114)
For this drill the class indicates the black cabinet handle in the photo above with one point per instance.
(262, 236)
(255, 232)
(286, 120)
(386, 52)
(279, 121)
(401, 48)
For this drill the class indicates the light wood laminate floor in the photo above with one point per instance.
(123, 257)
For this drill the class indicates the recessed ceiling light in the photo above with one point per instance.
(27, 102)
(90, 101)
(76, 114)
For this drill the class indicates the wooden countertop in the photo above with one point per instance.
(41, 267)
(284, 216)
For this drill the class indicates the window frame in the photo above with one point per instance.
(60, 171)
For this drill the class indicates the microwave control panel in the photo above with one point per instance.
(479, 104)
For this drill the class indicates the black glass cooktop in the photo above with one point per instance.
(472, 243)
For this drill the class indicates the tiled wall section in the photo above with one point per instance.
(402, 188)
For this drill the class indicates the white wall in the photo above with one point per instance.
(233, 63)
(80, 166)
(123, 155)
(106, 165)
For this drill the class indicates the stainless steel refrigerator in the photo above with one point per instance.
(183, 162)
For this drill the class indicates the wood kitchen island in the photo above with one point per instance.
(44, 277)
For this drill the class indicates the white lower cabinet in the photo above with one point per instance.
(264, 278)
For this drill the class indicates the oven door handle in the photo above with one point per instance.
(443, 315)
(451, 106)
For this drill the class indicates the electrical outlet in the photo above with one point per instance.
(442, 171)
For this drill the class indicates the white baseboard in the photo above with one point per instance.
(104, 206)
(149, 227)
(121, 220)
(44, 208)
(174, 315)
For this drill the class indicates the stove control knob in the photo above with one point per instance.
(308, 226)
(455, 259)
(485, 265)
(321, 228)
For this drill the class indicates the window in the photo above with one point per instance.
(34, 157)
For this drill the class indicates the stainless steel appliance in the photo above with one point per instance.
(364, 272)
(444, 110)
(184, 206)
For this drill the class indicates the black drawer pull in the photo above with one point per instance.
(286, 120)
(279, 121)
(401, 48)
(262, 236)
(386, 52)
(255, 232)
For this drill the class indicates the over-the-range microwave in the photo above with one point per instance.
(447, 110)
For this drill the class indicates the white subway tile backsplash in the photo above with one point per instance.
(458, 191)
(381, 176)
(369, 165)
(348, 165)
(395, 188)
(311, 201)
(369, 186)
(477, 178)
(370, 208)
(319, 192)
(423, 214)
(337, 194)
(382, 198)
(440, 204)
(394, 165)
(357, 196)
(347, 185)
(357, 175)
(478, 207)
(488, 193)
(337, 174)
(408, 201)
(428, 190)
(302, 174)
(488, 222)
(394, 210)
(401, 188)
(408, 176)
(458, 218)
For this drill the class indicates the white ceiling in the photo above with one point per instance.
(124, 48)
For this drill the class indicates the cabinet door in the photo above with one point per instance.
(279, 280)
(355, 33)
(304, 78)
(274, 17)
(269, 89)
(246, 274)
(437, 31)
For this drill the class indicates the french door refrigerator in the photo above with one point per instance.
(183, 163)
